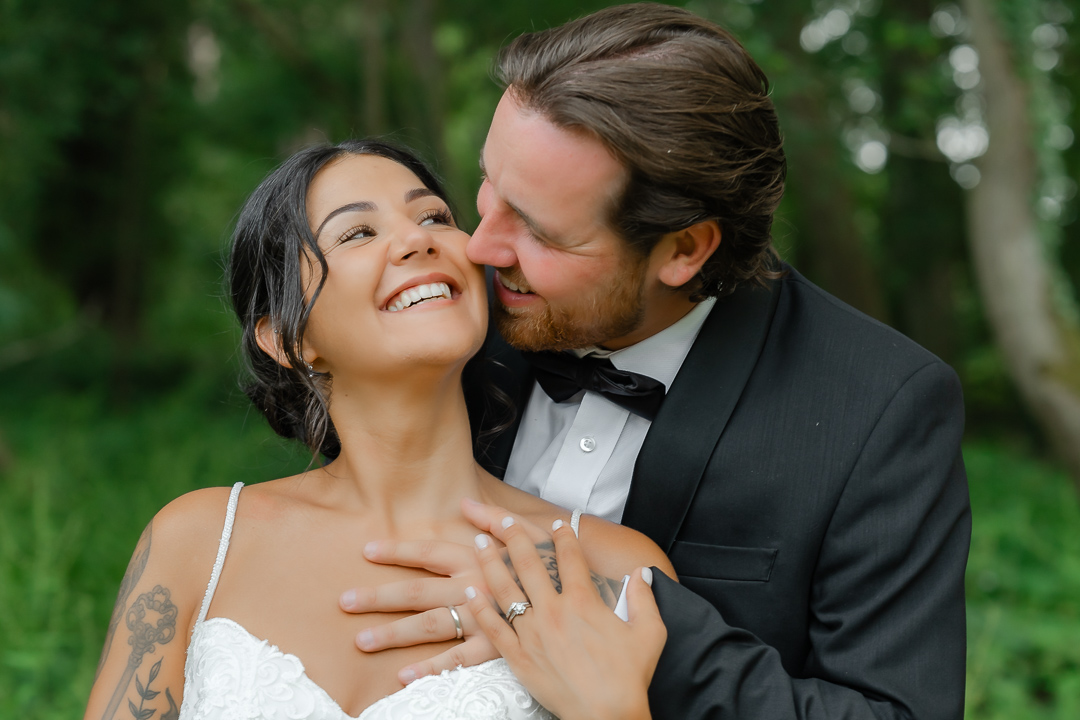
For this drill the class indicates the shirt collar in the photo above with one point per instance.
(661, 355)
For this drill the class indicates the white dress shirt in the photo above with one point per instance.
(580, 454)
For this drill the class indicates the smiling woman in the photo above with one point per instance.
(278, 266)
(359, 309)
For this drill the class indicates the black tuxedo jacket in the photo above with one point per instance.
(804, 476)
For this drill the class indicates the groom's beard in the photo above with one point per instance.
(604, 313)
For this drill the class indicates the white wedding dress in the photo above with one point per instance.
(232, 675)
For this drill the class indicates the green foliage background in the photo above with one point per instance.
(130, 132)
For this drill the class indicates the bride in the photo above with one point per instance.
(359, 312)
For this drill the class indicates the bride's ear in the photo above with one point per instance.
(270, 341)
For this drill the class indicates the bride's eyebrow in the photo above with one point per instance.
(364, 206)
(417, 193)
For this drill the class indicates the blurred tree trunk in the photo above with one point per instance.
(1041, 346)
(373, 57)
(837, 256)
(418, 41)
(832, 250)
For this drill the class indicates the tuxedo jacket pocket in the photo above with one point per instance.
(722, 562)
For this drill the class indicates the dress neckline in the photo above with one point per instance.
(250, 637)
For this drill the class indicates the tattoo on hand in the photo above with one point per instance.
(152, 622)
(609, 589)
(131, 578)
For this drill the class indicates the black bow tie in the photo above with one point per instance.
(563, 375)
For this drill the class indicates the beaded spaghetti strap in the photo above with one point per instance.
(223, 548)
(575, 521)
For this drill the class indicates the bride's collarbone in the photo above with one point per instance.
(295, 608)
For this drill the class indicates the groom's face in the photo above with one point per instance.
(564, 278)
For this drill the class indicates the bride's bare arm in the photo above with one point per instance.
(141, 672)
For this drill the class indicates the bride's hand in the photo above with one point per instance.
(430, 597)
(569, 649)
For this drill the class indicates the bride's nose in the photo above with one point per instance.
(414, 243)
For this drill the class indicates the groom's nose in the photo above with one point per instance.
(493, 241)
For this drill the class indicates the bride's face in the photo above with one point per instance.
(399, 292)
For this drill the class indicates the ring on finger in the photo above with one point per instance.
(458, 631)
(516, 609)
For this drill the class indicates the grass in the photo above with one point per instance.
(82, 477)
(81, 482)
(1023, 589)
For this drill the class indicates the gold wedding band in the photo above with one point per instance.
(459, 632)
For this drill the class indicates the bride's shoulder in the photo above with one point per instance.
(192, 515)
(615, 550)
(185, 533)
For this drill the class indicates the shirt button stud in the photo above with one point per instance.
(587, 444)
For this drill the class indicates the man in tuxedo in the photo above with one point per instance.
(802, 469)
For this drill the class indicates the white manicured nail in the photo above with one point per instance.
(556, 525)
(481, 541)
(507, 522)
(470, 592)
(646, 575)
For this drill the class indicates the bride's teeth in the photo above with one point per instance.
(414, 295)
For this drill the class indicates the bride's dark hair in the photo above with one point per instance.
(271, 240)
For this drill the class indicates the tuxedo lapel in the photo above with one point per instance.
(681, 440)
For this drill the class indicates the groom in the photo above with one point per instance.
(803, 471)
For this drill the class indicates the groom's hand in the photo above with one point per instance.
(567, 647)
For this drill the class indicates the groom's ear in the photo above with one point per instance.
(681, 254)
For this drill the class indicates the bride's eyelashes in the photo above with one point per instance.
(438, 216)
(359, 232)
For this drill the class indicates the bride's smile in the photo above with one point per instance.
(399, 290)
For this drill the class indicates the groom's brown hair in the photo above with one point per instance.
(686, 110)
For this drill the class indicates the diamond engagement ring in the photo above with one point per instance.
(457, 622)
(515, 609)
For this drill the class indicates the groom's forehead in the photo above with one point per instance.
(553, 177)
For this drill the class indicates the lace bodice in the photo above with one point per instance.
(231, 674)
